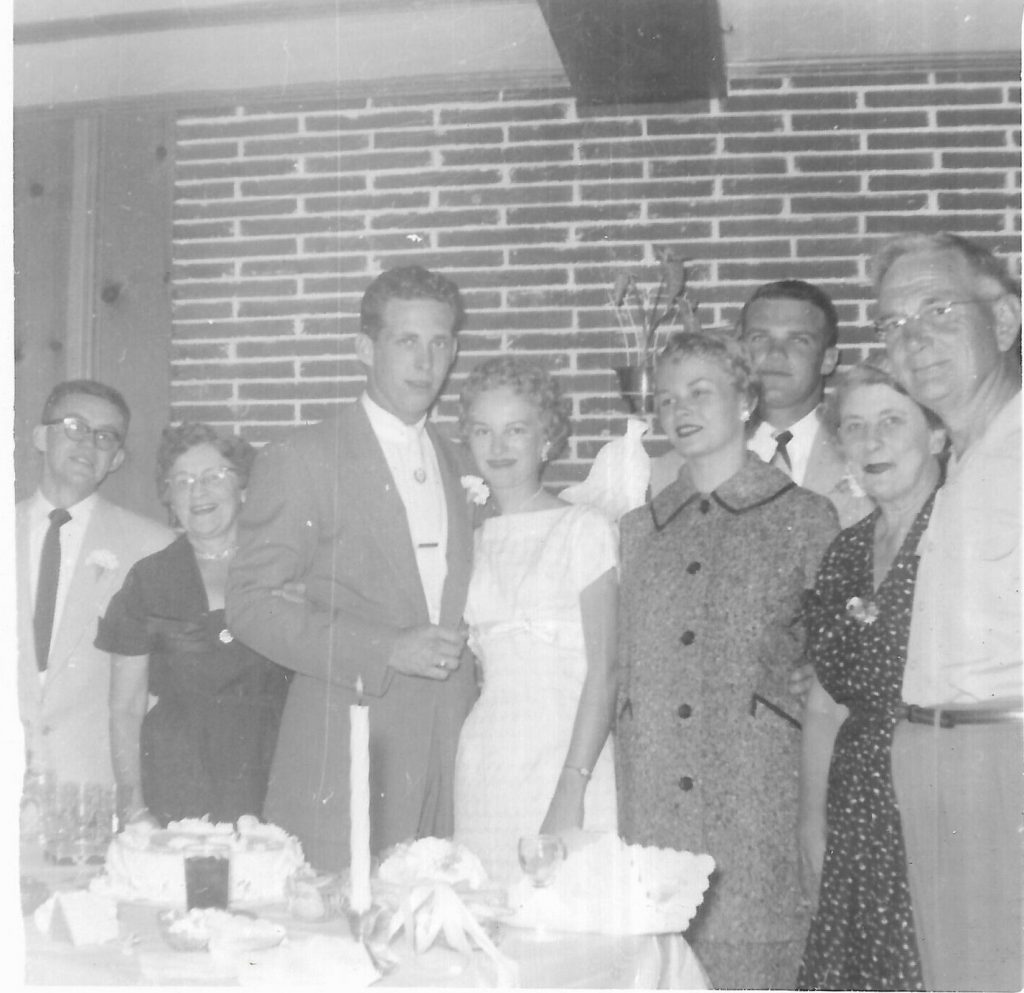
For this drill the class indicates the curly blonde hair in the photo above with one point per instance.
(525, 379)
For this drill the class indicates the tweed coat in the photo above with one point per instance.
(826, 474)
(707, 746)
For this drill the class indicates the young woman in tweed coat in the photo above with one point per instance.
(708, 736)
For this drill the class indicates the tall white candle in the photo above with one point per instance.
(359, 802)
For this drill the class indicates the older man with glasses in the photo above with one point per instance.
(950, 317)
(73, 549)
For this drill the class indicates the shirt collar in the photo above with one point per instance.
(754, 485)
(389, 428)
(40, 508)
(803, 430)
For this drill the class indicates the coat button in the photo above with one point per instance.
(685, 784)
(693, 568)
(687, 637)
(705, 505)
(684, 710)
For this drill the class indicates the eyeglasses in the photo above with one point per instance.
(212, 479)
(938, 315)
(77, 429)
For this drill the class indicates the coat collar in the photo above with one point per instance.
(753, 486)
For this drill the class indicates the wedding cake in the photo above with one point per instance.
(609, 887)
(148, 863)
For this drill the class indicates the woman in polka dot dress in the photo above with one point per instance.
(862, 933)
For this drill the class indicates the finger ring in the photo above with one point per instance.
(442, 664)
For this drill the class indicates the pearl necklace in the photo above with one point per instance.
(224, 553)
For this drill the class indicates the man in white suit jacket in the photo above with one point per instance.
(790, 329)
(63, 698)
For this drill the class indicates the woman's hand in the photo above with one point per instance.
(565, 812)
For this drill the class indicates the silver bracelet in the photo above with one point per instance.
(585, 773)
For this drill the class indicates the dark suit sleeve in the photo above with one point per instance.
(285, 538)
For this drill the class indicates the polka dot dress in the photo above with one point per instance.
(862, 936)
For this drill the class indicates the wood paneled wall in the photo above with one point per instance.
(92, 213)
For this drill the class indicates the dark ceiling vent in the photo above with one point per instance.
(638, 51)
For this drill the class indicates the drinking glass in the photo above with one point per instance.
(540, 856)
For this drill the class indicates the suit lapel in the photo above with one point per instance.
(383, 512)
(825, 467)
(460, 532)
(79, 616)
(26, 635)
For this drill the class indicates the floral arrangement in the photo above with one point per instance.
(645, 312)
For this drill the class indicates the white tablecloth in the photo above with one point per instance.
(141, 956)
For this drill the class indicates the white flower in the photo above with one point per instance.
(851, 485)
(865, 611)
(102, 558)
(476, 489)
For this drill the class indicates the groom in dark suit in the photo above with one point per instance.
(367, 512)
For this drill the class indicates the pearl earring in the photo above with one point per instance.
(745, 416)
(545, 451)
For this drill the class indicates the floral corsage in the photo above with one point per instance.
(102, 559)
(476, 489)
(864, 611)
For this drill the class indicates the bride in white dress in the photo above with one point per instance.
(535, 754)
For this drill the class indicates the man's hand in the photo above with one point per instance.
(429, 651)
(800, 680)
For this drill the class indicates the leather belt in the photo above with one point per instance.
(951, 717)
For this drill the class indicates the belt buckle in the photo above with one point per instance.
(946, 719)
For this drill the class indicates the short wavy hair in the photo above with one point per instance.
(876, 370)
(86, 387)
(180, 438)
(721, 347)
(525, 379)
(981, 262)
(797, 289)
(411, 282)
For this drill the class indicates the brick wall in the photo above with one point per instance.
(283, 213)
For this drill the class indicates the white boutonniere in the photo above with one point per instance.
(865, 611)
(476, 489)
(102, 559)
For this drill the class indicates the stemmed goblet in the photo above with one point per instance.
(540, 856)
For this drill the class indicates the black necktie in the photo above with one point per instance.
(46, 587)
(782, 439)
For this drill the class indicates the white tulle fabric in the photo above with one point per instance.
(526, 630)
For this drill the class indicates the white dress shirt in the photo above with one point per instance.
(965, 628)
(71, 536)
(412, 460)
(762, 443)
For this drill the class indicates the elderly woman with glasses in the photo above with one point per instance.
(205, 748)
(852, 846)
(714, 571)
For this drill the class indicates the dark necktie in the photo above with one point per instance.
(46, 587)
(781, 456)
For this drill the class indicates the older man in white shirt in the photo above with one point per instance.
(950, 317)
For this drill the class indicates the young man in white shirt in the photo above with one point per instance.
(73, 551)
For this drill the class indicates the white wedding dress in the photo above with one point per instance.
(526, 630)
